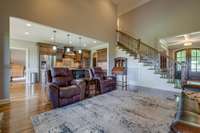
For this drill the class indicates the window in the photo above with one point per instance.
(195, 60)
(180, 57)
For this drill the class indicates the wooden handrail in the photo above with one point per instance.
(137, 40)
(154, 49)
(126, 34)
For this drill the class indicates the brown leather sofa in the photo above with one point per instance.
(63, 89)
(105, 83)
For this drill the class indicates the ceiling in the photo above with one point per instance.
(180, 40)
(29, 31)
(124, 6)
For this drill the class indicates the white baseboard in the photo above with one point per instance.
(4, 101)
(169, 90)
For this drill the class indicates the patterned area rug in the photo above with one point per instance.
(114, 112)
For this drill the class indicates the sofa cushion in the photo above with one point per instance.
(67, 101)
(70, 91)
(98, 72)
(60, 81)
(61, 76)
(60, 72)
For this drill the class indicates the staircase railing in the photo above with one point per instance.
(161, 63)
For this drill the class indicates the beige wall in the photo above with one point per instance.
(162, 18)
(92, 18)
(18, 56)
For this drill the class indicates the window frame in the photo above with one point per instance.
(195, 58)
(182, 58)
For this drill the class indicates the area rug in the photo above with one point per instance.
(114, 112)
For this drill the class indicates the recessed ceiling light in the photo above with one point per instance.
(26, 33)
(52, 38)
(95, 41)
(70, 42)
(28, 24)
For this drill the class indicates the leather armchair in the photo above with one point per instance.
(63, 89)
(187, 115)
(105, 83)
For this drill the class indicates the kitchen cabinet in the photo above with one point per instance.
(102, 55)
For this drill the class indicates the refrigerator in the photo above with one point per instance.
(46, 63)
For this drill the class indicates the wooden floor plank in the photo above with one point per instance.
(26, 101)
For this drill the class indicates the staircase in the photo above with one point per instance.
(158, 68)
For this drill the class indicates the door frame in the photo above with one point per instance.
(191, 75)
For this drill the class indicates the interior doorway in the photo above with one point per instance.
(18, 65)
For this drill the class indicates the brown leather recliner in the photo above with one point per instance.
(63, 90)
(187, 115)
(106, 83)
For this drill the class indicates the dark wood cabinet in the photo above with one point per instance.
(46, 49)
(102, 55)
(86, 54)
(79, 60)
(86, 57)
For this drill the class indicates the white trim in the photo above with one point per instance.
(4, 101)
(161, 89)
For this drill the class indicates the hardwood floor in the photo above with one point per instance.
(26, 101)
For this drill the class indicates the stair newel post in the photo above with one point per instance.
(138, 50)
(183, 74)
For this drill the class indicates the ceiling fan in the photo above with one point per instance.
(188, 41)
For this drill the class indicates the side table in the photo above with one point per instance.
(91, 88)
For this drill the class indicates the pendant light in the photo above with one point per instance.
(68, 50)
(68, 37)
(54, 41)
(80, 51)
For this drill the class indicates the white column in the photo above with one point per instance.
(4, 58)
